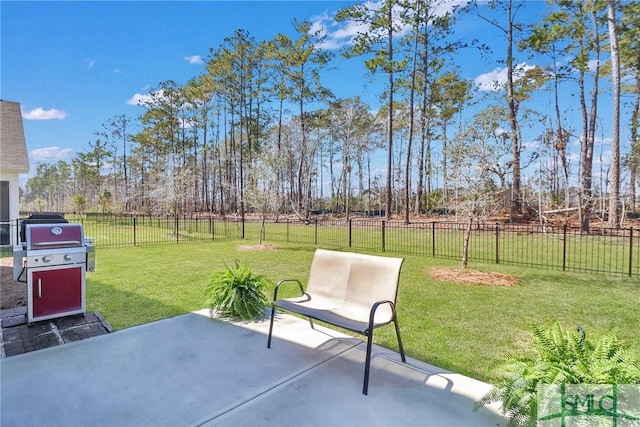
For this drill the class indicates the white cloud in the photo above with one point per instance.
(340, 34)
(448, 6)
(494, 81)
(491, 81)
(530, 145)
(573, 157)
(318, 24)
(336, 34)
(90, 63)
(145, 98)
(140, 99)
(53, 153)
(194, 59)
(499, 131)
(188, 123)
(42, 114)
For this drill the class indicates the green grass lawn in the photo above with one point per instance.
(467, 329)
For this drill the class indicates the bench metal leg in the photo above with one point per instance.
(404, 359)
(273, 315)
(369, 334)
(367, 363)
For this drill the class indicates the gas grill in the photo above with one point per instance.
(54, 259)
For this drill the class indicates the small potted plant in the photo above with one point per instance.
(237, 292)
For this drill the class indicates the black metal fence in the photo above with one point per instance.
(603, 250)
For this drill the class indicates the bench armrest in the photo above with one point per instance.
(374, 307)
(281, 282)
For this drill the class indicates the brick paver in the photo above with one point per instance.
(17, 337)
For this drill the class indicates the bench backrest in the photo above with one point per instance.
(355, 281)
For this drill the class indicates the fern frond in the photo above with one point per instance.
(237, 292)
(558, 356)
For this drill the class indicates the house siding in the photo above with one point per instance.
(13, 161)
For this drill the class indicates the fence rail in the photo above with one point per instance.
(604, 250)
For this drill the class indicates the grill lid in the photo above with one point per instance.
(41, 218)
(50, 236)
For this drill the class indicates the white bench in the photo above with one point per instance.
(353, 291)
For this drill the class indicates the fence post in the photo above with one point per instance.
(433, 238)
(497, 243)
(212, 228)
(177, 228)
(350, 230)
(287, 229)
(134, 230)
(18, 237)
(630, 251)
(564, 247)
(315, 237)
(384, 229)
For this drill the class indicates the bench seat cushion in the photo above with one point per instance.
(339, 316)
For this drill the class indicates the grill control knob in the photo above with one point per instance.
(46, 259)
(68, 257)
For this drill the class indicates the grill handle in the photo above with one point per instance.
(58, 243)
(39, 287)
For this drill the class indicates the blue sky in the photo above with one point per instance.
(74, 65)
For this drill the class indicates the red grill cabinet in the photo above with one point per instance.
(55, 291)
(55, 258)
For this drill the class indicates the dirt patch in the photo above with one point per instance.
(12, 293)
(263, 247)
(465, 276)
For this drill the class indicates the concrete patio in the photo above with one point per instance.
(192, 370)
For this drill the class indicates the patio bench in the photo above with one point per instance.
(353, 291)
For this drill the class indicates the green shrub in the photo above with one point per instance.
(559, 357)
(236, 292)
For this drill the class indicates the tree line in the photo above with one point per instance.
(259, 132)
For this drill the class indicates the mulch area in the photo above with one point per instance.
(12, 293)
(17, 337)
(465, 276)
(261, 247)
